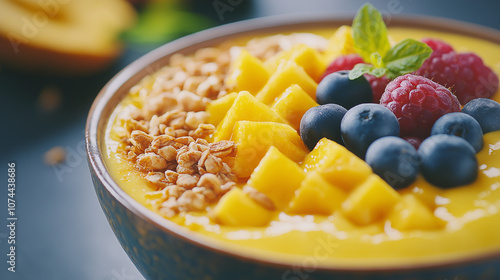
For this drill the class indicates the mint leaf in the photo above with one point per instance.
(378, 72)
(376, 59)
(361, 68)
(405, 57)
(369, 33)
(372, 43)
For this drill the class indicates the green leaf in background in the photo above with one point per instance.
(369, 33)
(405, 57)
(163, 21)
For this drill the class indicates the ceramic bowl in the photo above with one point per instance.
(163, 250)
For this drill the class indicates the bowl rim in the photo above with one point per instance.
(106, 101)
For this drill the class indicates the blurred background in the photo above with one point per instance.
(55, 56)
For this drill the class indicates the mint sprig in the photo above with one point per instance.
(363, 68)
(406, 56)
(372, 43)
(369, 33)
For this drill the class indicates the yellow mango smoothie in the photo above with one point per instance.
(211, 143)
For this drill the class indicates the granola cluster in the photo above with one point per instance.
(163, 129)
(190, 174)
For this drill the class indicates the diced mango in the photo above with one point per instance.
(410, 213)
(277, 176)
(292, 104)
(370, 201)
(341, 43)
(426, 193)
(342, 223)
(245, 108)
(219, 107)
(287, 74)
(306, 57)
(255, 138)
(235, 208)
(337, 165)
(247, 73)
(316, 196)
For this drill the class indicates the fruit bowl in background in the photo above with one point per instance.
(63, 37)
(162, 249)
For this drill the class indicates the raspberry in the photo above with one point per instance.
(438, 45)
(418, 102)
(347, 62)
(378, 86)
(464, 73)
(414, 141)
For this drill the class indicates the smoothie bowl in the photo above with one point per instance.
(201, 164)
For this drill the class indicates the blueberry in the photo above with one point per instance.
(364, 124)
(448, 161)
(321, 121)
(337, 88)
(461, 125)
(486, 112)
(394, 160)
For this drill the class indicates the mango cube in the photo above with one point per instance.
(337, 165)
(235, 208)
(411, 213)
(245, 108)
(277, 176)
(370, 201)
(292, 104)
(255, 138)
(306, 57)
(247, 73)
(426, 193)
(316, 196)
(287, 74)
(341, 43)
(219, 107)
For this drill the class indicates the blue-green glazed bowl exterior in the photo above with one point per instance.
(163, 250)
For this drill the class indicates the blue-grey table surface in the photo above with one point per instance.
(61, 231)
